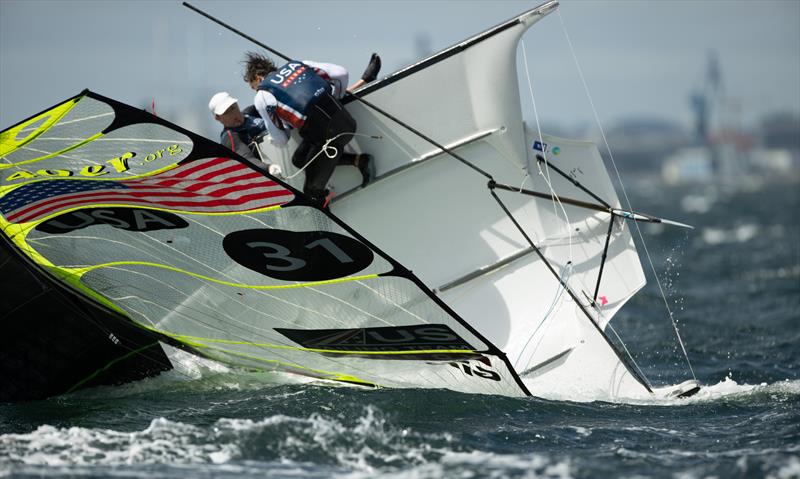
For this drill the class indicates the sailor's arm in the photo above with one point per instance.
(336, 73)
(234, 142)
(265, 104)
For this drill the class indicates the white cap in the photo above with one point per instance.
(220, 102)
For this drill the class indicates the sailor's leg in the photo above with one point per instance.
(339, 131)
(319, 172)
(348, 159)
(304, 153)
(301, 157)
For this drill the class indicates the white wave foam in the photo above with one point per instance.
(191, 366)
(790, 470)
(163, 441)
(357, 447)
(479, 464)
(728, 387)
(260, 470)
(363, 447)
(725, 389)
(364, 443)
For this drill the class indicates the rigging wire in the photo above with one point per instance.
(546, 317)
(625, 193)
(629, 355)
(546, 178)
(556, 200)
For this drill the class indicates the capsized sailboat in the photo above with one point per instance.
(124, 232)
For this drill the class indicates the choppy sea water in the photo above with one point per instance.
(733, 285)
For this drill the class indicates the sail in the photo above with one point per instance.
(541, 278)
(194, 246)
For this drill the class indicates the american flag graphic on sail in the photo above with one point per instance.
(218, 185)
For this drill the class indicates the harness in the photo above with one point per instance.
(249, 129)
(296, 87)
(246, 132)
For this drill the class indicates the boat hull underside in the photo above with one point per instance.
(56, 342)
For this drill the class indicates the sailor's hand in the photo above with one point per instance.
(371, 73)
(260, 137)
(275, 170)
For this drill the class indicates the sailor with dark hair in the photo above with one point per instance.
(241, 129)
(305, 96)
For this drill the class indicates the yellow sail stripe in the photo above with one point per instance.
(72, 276)
(192, 339)
(51, 155)
(17, 233)
(317, 372)
(84, 270)
(107, 366)
(8, 139)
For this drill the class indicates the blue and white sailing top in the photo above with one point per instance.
(285, 94)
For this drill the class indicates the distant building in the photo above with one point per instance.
(780, 138)
(724, 153)
(781, 130)
(641, 144)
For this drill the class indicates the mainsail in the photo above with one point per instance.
(193, 246)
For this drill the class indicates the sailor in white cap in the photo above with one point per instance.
(242, 130)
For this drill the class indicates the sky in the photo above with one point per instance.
(639, 59)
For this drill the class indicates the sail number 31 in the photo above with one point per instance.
(298, 255)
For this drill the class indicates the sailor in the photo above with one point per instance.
(242, 130)
(305, 96)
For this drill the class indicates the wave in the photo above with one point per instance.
(728, 389)
(283, 446)
(334, 444)
(725, 389)
(363, 443)
(350, 435)
(482, 464)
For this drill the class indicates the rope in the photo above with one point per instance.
(330, 151)
(625, 194)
